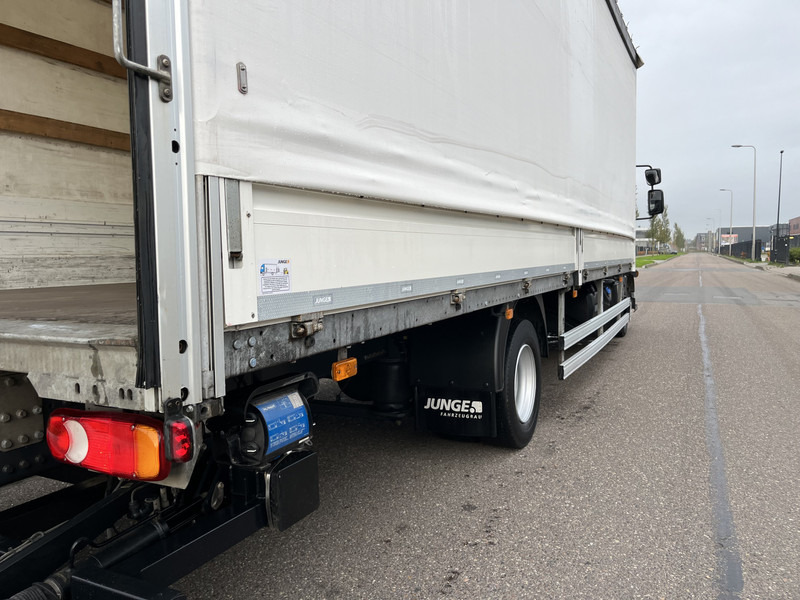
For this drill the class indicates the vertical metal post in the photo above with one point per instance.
(753, 251)
(561, 324)
(730, 224)
(778, 223)
(599, 311)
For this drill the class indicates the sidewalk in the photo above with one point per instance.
(791, 272)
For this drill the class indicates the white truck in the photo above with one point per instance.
(207, 206)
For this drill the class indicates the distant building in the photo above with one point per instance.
(700, 242)
(745, 234)
(794, 226)
(644, 244)
(783, 229)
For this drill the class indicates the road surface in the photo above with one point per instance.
(668, 467)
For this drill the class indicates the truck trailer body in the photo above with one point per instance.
(208, 206)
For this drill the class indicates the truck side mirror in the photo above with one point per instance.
(655, 202)
(652, 176)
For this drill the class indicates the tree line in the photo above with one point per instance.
(661, 233)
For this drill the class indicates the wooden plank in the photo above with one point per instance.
(34, 260)
(63, 177)
(56, 50)
(83, 23)
(39, 86)
(63, 228)
(45, 210)
(36, 272)
(66, 213)
(114, 303)
(54, 244)
(62, 130)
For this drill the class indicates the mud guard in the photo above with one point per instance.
(457, 372)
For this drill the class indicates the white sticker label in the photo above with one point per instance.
(274, 276)
(295, 399)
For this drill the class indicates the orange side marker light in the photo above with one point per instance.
(344, 369)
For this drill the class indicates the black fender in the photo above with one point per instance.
(465, 352)
(532, 309)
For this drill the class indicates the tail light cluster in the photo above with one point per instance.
(120, 444)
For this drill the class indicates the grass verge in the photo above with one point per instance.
(642, 261)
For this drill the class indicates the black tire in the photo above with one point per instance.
(622, 332)
(518, 404)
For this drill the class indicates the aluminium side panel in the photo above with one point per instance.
(602, 249)
(325, 252)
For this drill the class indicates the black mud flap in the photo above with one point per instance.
(450, 411)
(457, 370)
(293, 487)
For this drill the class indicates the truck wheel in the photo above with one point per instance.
(622, 332)
(518, 404)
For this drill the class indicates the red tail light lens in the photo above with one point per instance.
(58, 438)
(180, 440)
(123, 445)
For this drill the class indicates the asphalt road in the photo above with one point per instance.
(668, 467)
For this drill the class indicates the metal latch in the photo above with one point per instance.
(163, 71)
(305, 326)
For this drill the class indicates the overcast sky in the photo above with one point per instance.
(716, 73)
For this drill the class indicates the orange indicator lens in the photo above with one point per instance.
(344, 369)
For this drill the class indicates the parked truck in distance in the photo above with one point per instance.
(207, 207)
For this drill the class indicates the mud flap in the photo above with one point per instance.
(452, 411)
(457, 370)
(293, 489)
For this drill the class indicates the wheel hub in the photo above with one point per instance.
(525, 383)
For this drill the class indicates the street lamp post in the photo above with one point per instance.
(778, 224)
(712, 234)
(730, 226)
(753, 251)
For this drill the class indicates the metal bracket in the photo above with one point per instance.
(233, 214)
(162, 73)
(165, 83)
(305, 326)
(457, 298)
(173, 408)
(241, 77)
(21, 418)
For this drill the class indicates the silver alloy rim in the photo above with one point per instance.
(525, 383)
